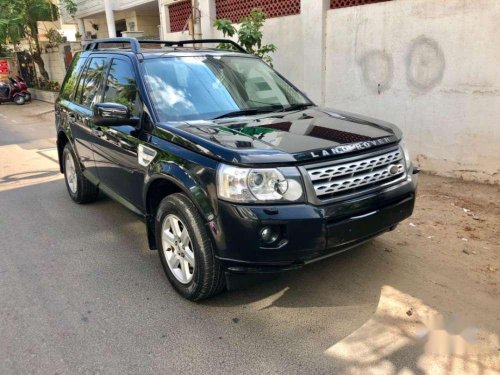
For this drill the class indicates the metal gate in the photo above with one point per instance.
(26, 67)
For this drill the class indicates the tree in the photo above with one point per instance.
(70, 6)
(249, 34)
(10, 26)
(23, 16)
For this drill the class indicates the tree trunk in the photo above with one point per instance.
(37, 53)
(37, 58)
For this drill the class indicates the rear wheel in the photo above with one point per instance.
(19, 100)
(185, 249)
(79, 188)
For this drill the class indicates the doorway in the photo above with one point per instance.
(120, 26)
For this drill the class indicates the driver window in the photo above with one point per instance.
(89, 87)
(121, 87)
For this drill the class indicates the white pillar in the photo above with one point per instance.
(81, 27)
(207, 10)
(110, 18)
(164, 20)
(313, 14)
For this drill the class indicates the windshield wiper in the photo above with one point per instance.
(254, 111)
(295, 107)
(243, 112)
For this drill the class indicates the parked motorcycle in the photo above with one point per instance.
(23, 87)
(11, 92)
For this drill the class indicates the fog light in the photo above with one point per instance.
(268, 235)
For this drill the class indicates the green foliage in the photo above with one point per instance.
(249, 34)
(10, 24)
(70, 6)
(18, 20)
(46, 85)
(54, 37)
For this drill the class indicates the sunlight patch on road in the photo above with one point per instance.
(23, 167)
(269, 301)
(405, 327)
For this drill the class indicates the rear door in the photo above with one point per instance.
(80, 112)
(116, 151)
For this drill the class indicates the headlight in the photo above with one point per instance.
(406, 153)
(260, 184)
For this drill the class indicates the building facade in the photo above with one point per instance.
(109, 18)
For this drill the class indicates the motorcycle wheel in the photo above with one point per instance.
(19, 100)
(27, 97)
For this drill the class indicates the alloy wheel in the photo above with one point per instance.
(70, 172)
(178, 248)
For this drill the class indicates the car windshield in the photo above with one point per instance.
(207, 87)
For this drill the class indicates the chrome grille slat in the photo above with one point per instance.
(354, 177)
(358, 166)
(356, 181)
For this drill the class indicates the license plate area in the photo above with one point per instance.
(361, 226)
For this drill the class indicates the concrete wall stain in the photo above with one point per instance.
(425, 64)
(377, 68)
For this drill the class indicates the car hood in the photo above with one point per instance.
(284, 137)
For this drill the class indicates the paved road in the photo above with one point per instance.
(81, 293)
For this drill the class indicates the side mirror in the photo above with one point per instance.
(112, 114)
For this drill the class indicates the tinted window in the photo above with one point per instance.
(90, 81)
(121, 86)
(70, 81)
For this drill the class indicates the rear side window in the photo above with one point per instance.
(121, 86)
(69, 84)
(90, 81)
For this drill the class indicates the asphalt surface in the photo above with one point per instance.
(81, 293)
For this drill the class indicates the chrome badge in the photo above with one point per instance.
(394, 169)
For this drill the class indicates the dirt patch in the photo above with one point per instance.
(457, 224)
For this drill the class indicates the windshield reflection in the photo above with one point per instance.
(205, 87)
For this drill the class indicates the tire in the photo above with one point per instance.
(79, 188)
(207, 278)
(27, 97)
(19, 100)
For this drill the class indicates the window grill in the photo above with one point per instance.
(334, 4)
(178, 14)
(235, 10)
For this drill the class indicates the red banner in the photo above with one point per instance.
(4, 67)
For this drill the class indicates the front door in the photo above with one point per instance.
(116, 151)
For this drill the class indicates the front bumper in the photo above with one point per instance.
(309, 233)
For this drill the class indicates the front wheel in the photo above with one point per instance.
(27, 97)
(186, 250)
(19, 100)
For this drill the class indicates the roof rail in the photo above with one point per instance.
(181, 43)
(135, 44)
(93, 44)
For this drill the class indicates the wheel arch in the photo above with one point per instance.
(162, 185)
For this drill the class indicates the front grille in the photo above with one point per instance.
(340, 180)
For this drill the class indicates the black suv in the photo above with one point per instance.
(232, 168)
